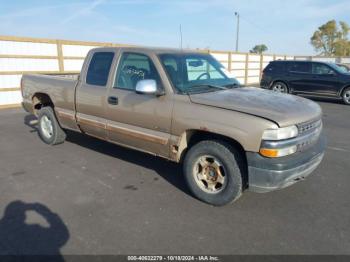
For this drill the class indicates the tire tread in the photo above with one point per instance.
(342, 96)
(235, 165)
(59, 135)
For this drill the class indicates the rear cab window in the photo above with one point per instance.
(201, 68)
(99, 67)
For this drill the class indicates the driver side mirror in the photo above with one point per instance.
(147, 87)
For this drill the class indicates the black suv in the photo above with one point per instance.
(307, 78)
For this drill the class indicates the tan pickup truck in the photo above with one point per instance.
(185, 107)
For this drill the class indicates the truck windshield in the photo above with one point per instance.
(197, 73)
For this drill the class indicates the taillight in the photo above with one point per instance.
(21, 86)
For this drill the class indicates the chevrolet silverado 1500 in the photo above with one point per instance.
(183, 106)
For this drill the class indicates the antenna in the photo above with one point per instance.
(180, 37)
(237, 33)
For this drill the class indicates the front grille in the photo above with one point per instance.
(309, 134)
(308, 127)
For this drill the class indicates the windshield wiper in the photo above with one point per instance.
(209, 86)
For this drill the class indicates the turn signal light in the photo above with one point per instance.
(269, 152)
(278, 152)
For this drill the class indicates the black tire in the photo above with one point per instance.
(57, 135)
(231, 160)
(346, 96)
(280, 87)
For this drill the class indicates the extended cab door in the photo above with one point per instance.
(91, 94)
(139, 121)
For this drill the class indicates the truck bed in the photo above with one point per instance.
(59, 88)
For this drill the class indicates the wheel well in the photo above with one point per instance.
(40, 100)
(275, 81)
(195, 136)
(343, 90)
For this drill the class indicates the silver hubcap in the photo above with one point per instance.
(46, 127)
(347, 96)
(209, 174)
(279, 88)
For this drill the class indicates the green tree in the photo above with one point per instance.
(259, 49)
(330, 40)
(342, 46)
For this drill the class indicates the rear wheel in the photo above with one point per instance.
(49, 129)
(212, 172)
(346, 96)
(280, 87)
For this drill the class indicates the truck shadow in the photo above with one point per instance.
(168, 170)
(17, 237)
(27, 119)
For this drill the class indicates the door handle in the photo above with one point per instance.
(112, 100)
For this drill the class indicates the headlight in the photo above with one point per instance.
(280, 133)
(274, 143)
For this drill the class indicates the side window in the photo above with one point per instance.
(171, 66)
(275, 67)
(133, 68)
(321, 69)
(99, 68)
(301, 67)
(270, 68)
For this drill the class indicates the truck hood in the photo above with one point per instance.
(282, 109)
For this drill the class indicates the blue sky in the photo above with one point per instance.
(284, 26)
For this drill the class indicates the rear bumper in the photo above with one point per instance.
(26, 106)
(267, 174)
(264, 84)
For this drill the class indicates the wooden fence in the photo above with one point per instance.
(246, 67)
(19, 55)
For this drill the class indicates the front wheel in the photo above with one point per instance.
(212, 172)
(346, 96)
(49, 129)
(280, 87)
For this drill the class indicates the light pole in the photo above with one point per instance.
(237, 35)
